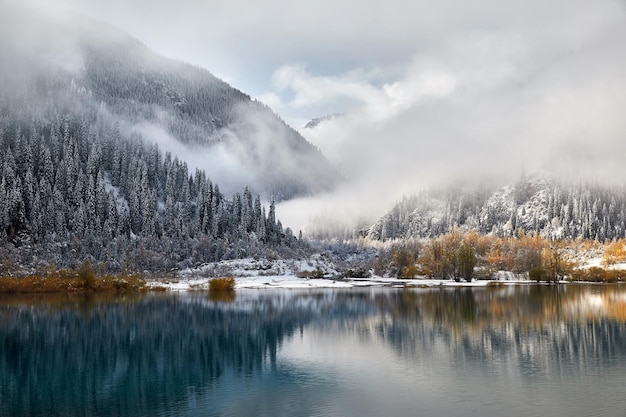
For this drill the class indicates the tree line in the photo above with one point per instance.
(554, 209)
(471, 255)
(73, 188)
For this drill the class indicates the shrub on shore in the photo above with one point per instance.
(316, 273)
(596, 274)
(222, 284)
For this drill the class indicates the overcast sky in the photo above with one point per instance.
(430, 90)
(276, 47)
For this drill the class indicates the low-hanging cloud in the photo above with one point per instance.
(222, 164)
(430, 92)
(536, 95)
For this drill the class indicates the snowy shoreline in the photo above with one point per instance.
(293, 282)
(317, 271)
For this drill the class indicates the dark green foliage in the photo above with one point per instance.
(316, 273)
(467, 262)
(78, 181)
(538, 273)
(358, 272)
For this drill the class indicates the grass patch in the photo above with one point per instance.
(222, 284)
(34, 283)
(82, 279)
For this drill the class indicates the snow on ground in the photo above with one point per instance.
(317, 264)
(293, 282)
(597, 263)
(315, 272)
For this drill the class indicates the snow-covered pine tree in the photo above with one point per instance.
(80, 202)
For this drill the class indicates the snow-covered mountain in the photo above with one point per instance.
(91, 123)
(75, 65)
(551, 208)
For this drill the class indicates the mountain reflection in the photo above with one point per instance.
(149, 354)
(532, 327)
(86, 356)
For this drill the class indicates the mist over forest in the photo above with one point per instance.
(316, 207)
(111, 152)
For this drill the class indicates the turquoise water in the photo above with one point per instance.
(514, 351)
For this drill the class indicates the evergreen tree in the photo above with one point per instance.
(118, 207)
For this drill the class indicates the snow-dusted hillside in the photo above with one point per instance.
(521, 206)
(91, 122)
(72, 65)
(551, 208)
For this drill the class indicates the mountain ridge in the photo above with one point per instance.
(206, 121)
(552, 208)
(82, 180)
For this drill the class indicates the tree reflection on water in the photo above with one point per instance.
(144, 354)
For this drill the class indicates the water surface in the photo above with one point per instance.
(515, 350)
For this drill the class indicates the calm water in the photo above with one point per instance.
(514, 351)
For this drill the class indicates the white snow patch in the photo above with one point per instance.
(250, 267)
(509, 276)
(619, 266)
(264, 273)
(293, 282)
(596, 262)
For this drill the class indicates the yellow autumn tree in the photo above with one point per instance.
(500, 255)
(614, 253)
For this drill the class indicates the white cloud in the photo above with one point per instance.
(540, 94)
(310, 90)
(432, 90)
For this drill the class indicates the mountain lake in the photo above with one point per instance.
(514, 350)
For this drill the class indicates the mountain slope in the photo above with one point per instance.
(79, 65)
(79, 180)
(551, 208)
(71, 189)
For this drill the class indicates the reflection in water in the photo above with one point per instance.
(551, 327)
(312, 352)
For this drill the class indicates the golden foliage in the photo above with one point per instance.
(499, 259)
(410, 271)
(451, 255)
(399, 260)
(480, 243)
(222, 284)
(614, 253)
(596, 274)
(82, 279)
(544, 259)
